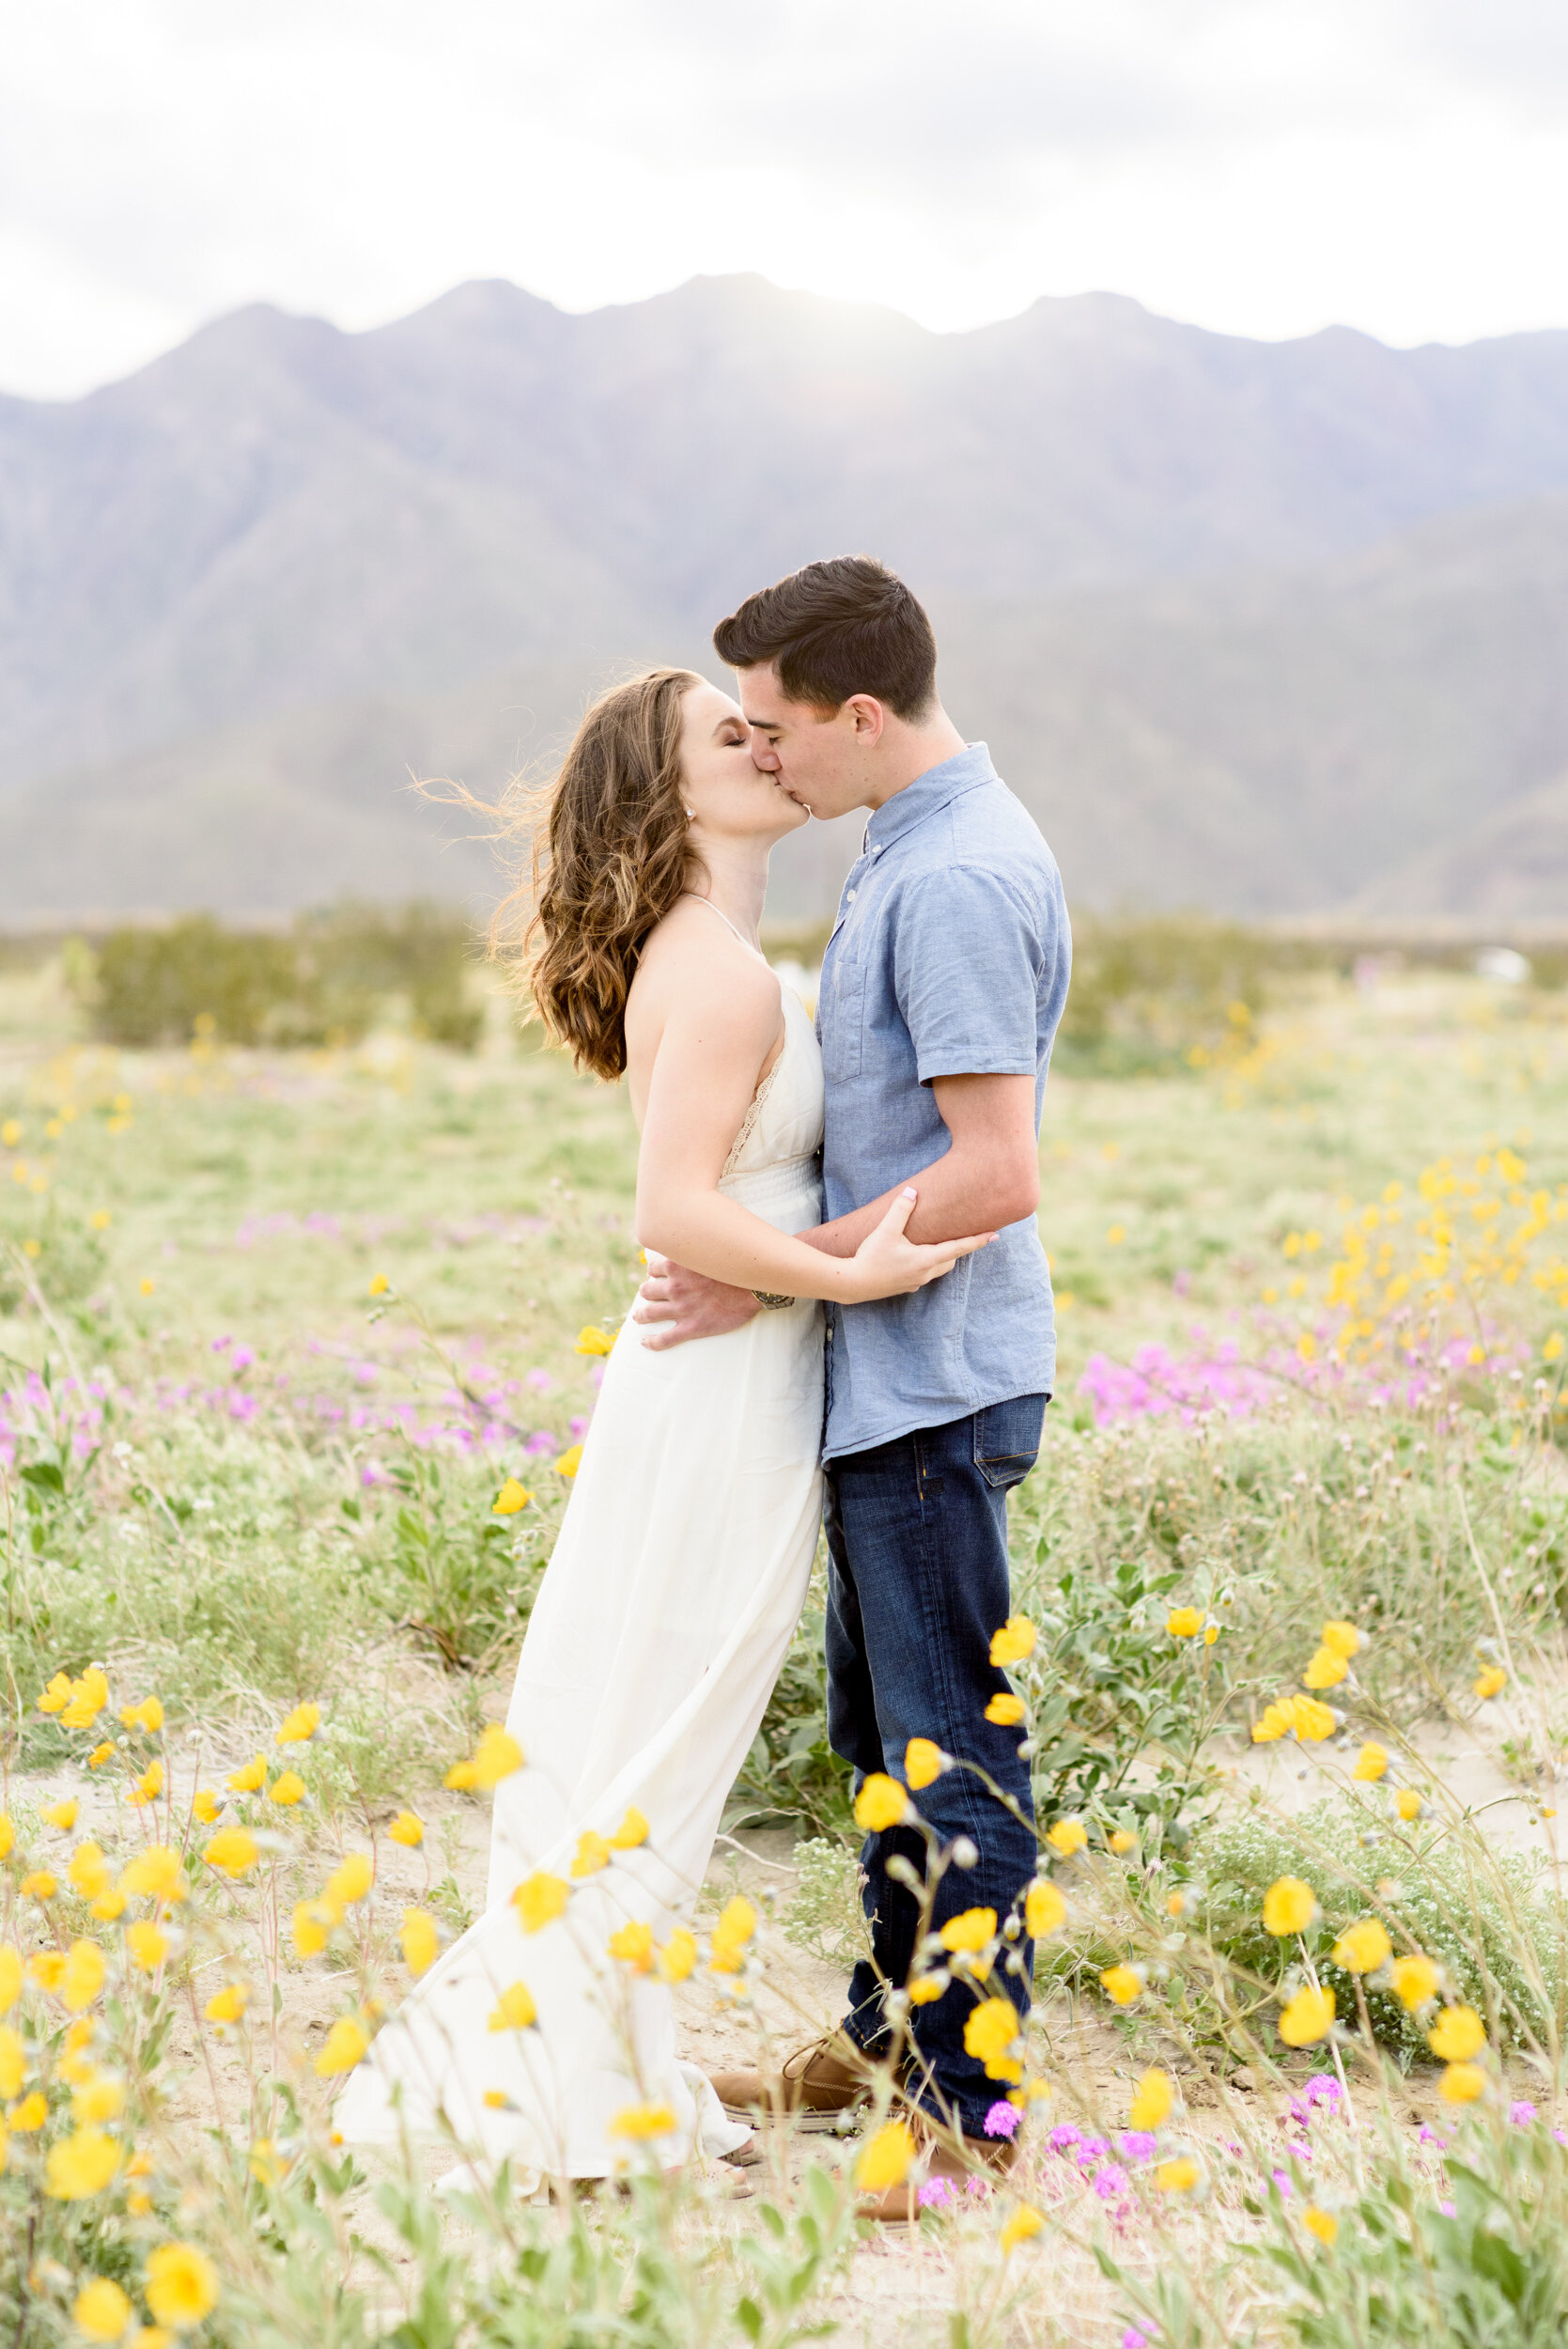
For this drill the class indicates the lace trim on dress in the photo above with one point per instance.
(748, 1123)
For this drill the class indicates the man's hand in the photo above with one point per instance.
(676, 1305)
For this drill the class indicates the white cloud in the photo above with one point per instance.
(1400, 165)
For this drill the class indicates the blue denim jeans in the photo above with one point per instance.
(917, 1546)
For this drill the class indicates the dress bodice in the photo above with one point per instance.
(773, 1167)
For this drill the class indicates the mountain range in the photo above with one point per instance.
(1269, 628)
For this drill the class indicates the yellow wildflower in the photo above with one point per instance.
(510, 1499)
(1153, 2101)
(109, 1905)
(1122, 1841)
(59, 1814)
(1414, 1980)
(641, 2123)
(1325, 1670)
(30, 2114)
(1361, 1948)
(1342, 1639)
(1183, 1622)
(539, 1899)
(1306, 2018)
(925, 1989)
(181, 2285)
(1123, 1983)
(924, 1762)
(1458, 2034)
(735, 1928)
(881, 1803)
(298, 1727)
(206, 1805)
(379, 1285)
(1462, 2083)
(100, 2096)
(350, 1880)
(1177, 2177)
(12, 2061)
(1067, 1837)
(148, 1787)
(345, 2044)
(1025, 2221)
(991, 2032)
(1006, 1711)
(287, 1789)
(10, 1977)
(632, 1831)
(147, 1945)
(971, 1931)
(83, 1975)
(1311, 1720)
(1014, 1642)
(498, 1756)
(678, 1957)
(99, 1754)
(147, 1715)
(227, 2004)
(1272, 1724)
(47, 1968)
(420, 1939)
(1407, 1803)
(249, 1780)
(1044, 1909)
(592, 1341)
(461, 1777)
(88, 1871)
(38, 1884)
(232, 1849)
(1489, 1683)
(57, 1695)
(80, 2165)
(592, 1854)
(633, 1946)
(1371, 1763)
(1288, 1906)
(886, 2159)
(156, 1873)
(312, 1921)
(407, 1828)
(570, 1461)
(101, 2310)
(1322, 2224)
(514, 2009)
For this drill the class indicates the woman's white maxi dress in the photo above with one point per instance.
(657, 1636)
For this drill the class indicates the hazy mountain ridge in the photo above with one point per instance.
(1257, 625)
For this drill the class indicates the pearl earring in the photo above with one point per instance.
(692, 812)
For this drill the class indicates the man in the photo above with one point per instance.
(941, 990)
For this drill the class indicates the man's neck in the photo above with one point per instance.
(912, 752)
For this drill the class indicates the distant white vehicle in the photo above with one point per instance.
(1501, 962)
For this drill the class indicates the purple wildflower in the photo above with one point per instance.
(936, 2194)
(1003, 2119)
(1430, 2137)
(1281, 2179)
(1090, 2150)
(1060, 2138)
(1133, 2339)
(1446, 2209)
(1110, 2182)
(1138, 2144)
(1520, 2112)
(1324, 2088)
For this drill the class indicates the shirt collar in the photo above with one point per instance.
(929, 793)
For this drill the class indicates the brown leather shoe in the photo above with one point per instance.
(812, 2088)
(899, 2205)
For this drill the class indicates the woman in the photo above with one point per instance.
(683, 1560)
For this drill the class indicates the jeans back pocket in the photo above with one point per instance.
(1007, 1439)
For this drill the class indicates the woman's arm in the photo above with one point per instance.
(721, 1020)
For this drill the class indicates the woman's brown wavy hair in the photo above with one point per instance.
(611, 855)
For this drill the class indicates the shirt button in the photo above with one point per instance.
(850, 899)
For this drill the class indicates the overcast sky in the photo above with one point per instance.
(1265, 166)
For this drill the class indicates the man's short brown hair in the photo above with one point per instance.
(846, 626)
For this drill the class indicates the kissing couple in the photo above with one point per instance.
(847, 1322)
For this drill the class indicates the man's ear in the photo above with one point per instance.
(868, 719)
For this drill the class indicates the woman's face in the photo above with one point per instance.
(732, 797)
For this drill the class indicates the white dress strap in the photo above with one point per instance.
(728, 922)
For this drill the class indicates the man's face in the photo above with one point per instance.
(821, 758)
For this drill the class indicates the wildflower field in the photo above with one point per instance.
(299, 1347)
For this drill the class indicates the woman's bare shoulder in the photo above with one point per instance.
(691, 962)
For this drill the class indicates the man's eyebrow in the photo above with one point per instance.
(766, 726)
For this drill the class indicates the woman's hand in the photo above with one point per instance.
(887, 1264)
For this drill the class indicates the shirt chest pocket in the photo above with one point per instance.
(843, 1007)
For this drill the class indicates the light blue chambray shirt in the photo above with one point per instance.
(949, 957)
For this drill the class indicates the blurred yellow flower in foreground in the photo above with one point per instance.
(1183, 1622)
(641, 2122)
(298, 1727)
(632, 1831)
(146, 1945)
(886, 2159)
(677, 1959)
(147, 1284)
(1306, 2018)
(311, 1922)
(59, 1814)
(1458, 2034)
(287, 1789)
(1067, 1837)
(156, 1873)
(1340, 1639)
(147, 1715)
(1362, 1948)
(38, 1884)
(592, 1854)
(148, 1787)
(924, 1762)
(1014, 1642)
(30, 2114)
(234, 1850)
(514, 2009)
(12, 2061)
(1006, 1711)
(407, 1828)
(1122, 1841)
(345, 2044)
(250, 1778)
(633, 1946)
(379, 1285)
(1462, 2083)
(1025, 2221)
(421, 1941)
(350, 1880)
(591, 1340)
(57, 1696)
(735, 1928)
(7, 1834)
(83, 1975)
(1321, 2223)
(971, 1931)
(206, 1805)
(1491, 1682)
(1372, 1762)
(1177, 2177)
(1044, 1909)
(497, 1756)
(1407, 1803)
(881, 1803)
(510, 1499)
(227, 2004)
(569, 1461)
(181, 2285)
(80, 2165)
(101, 2310)
(1153, 2102)
(991, 2030)
(1288, 1906)
(1122, 1984)
(539, 1899)
(1414, 1982)
(1325, 1670)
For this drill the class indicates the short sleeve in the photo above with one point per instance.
(969, 954)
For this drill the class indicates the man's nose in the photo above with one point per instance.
(764, 756)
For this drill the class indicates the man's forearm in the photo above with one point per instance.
(957, 1198)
